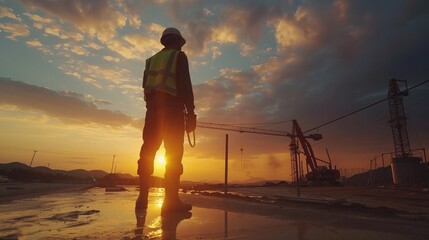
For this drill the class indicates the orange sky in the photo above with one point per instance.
(70, 79)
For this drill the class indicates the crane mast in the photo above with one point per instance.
(398, 119)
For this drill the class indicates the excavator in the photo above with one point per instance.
(316, 173)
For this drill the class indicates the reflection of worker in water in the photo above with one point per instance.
(169, 223)
(169, 99)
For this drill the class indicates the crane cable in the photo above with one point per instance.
(363, 108)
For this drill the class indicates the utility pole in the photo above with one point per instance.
(226, 165)
(34, 154)
(113, 162)
(241, 161)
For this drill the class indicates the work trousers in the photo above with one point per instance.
(162, 123)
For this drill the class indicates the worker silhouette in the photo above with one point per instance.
(169, 102)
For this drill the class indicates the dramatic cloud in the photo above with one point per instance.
(15, 30)
(234, 95)
(34, 43)
(251, 61)
(97, 18)
(332, 58)
(111, 59)
(110, 76)
(224, 35)
(143, 44)
(67, 107)
(6, 12)
(37, 18)
(248, 19)
(86, 98)
(131, 7)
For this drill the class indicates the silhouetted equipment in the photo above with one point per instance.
(226, 165)
(32, 159)
(240, 129)
(113, 162)
(315, 172)
(241, 157)
(398, 119)
(406, 169)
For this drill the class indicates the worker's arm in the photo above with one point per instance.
(145, 73)
(184, 85)
(145, 77)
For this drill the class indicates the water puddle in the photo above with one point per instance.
(97, 214)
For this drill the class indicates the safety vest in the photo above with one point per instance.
(161, 72)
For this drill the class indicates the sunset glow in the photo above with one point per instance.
(71, 76)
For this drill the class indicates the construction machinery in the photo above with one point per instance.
(316, 172)
(406, 169)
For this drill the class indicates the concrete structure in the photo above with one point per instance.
(407, 170)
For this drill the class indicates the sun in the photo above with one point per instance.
(161, 160)
(159, 163)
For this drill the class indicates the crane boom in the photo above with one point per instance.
(308, 150)
(228, 127)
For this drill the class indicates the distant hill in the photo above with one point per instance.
(21, 172)
(16, 171)
(13, 165)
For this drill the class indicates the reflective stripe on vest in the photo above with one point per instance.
(161, 75)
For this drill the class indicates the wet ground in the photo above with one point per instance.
(97, 214)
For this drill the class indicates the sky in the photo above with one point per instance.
(71, 75)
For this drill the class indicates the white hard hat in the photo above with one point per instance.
(172, 31)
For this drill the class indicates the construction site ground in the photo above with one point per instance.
(411, 202)
(56, 211)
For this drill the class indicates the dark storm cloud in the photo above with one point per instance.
(67, 108)
(345, 54)
(246, 19)
(351, 67)
(193, 21)
(336, 57)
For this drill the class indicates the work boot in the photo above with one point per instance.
(172, 203)
(174, 206)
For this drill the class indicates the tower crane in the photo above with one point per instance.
(398, 119)
(314, 171)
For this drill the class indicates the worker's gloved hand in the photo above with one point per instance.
(191, 122)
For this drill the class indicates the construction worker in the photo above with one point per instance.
(169, 102)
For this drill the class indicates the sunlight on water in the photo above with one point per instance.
(159, 202)
(96, 214)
